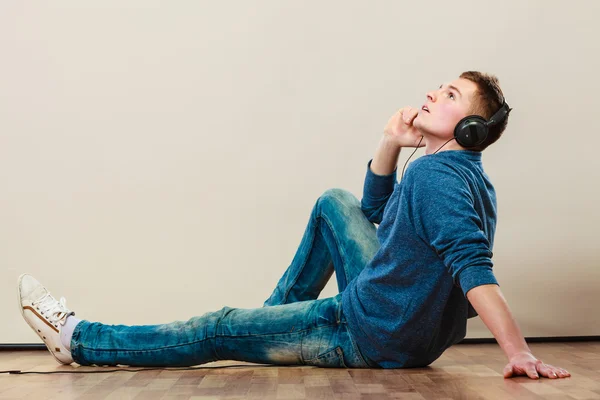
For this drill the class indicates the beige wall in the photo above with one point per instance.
(160, 160)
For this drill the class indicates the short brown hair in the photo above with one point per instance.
(488, 100)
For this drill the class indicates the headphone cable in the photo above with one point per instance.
(102, 371)
(416, 148)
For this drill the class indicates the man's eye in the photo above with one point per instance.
(451, 95)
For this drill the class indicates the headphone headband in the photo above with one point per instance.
(500, 115)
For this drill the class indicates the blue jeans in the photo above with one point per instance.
(292, 328)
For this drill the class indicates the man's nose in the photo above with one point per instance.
(431, 96)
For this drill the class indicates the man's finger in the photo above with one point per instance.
(546, 370)
(401, 114)
(508, 371)
(412, 114)
(531, 372)
(405, 114)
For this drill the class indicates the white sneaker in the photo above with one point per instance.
(45, 315)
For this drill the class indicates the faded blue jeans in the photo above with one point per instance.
(292, 328)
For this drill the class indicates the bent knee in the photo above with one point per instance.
(341, 196)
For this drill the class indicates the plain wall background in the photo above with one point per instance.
(159, 160)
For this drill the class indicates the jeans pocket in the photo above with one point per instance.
(333, 358)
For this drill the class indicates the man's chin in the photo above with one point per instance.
(420, 128)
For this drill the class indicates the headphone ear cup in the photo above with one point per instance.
(471, 131)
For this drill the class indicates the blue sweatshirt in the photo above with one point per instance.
(436, 230)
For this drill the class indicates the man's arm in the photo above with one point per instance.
(493, 309)
(381, 170)
(380, 180)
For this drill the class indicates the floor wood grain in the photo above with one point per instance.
(466, 371)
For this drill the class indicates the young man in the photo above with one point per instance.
(406, 287)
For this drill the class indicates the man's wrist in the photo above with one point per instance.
(512, 353)
(390, 143)
(386, 157)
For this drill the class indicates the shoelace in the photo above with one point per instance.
(53, 310)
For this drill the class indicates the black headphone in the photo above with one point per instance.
(472, 130)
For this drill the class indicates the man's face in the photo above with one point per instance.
(446, 106)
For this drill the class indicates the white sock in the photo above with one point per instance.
(66, 333)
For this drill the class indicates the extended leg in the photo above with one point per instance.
(303, 333)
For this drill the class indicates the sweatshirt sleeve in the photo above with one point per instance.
(445, 218)
(376, 193)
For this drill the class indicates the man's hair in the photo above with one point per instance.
(487, 101)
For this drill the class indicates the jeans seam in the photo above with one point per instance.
(337, 244)
(287, 292)
(340, 352)
(146, 350)
(355, 346)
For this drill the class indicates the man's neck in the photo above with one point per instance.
(432, 145)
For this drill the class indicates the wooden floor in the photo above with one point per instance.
(467, 371)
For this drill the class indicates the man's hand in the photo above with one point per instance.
(401, 131)
(526, 364)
